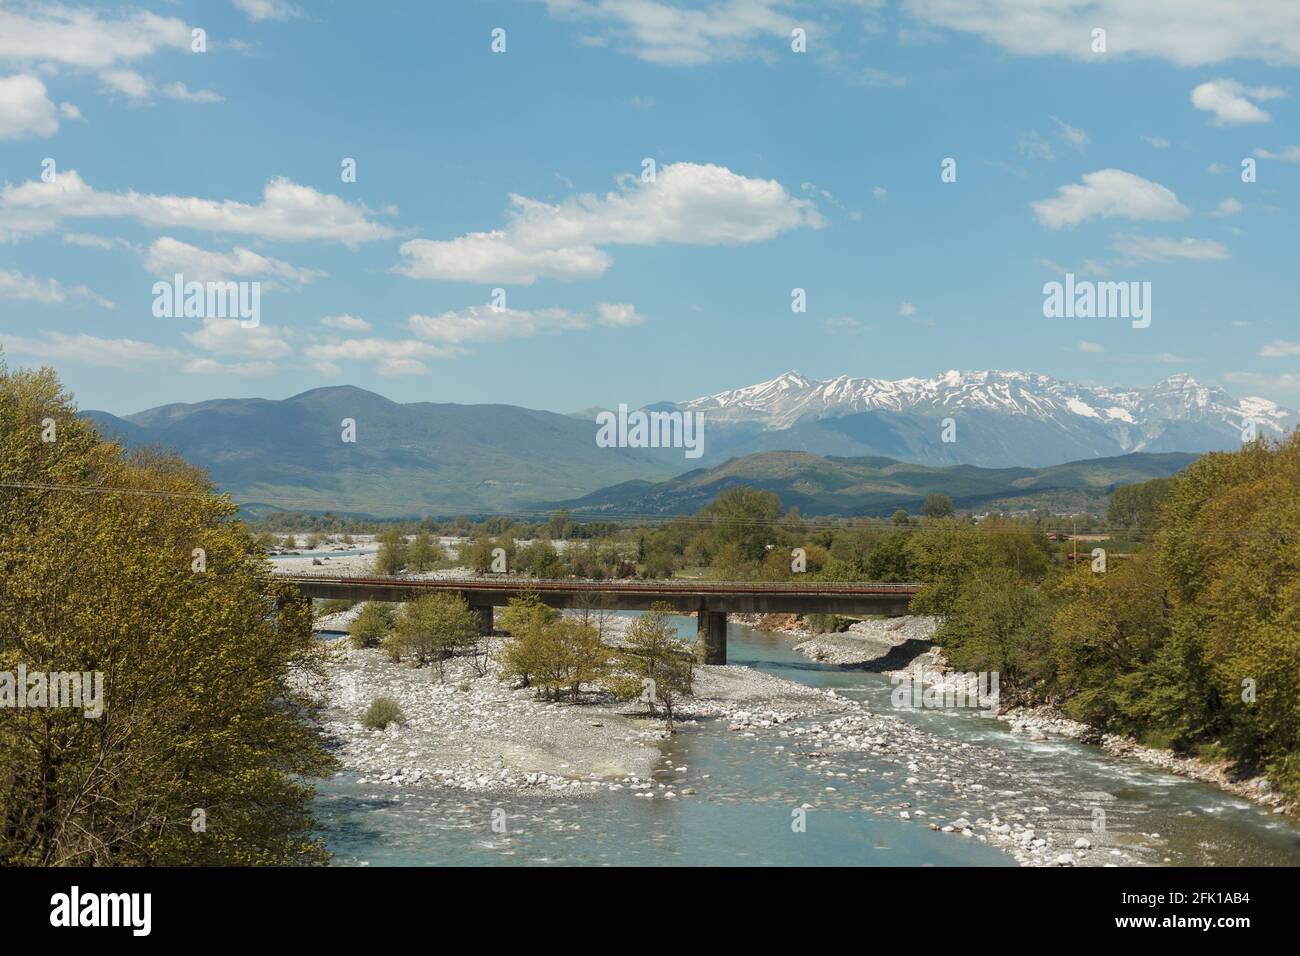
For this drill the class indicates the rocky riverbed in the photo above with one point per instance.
(472, 732)
(903, 647)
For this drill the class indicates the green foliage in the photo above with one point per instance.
(477, 554)
(1136, 506)
(433, 628)
(382, 712)
(424, 553)
(998, 623)
(655, 666)
(938, 506)
(372, 625)
(393, 553)
(743, 520)
(199, 708)
(826, 623)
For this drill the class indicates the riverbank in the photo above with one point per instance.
(473, 733)
(903, 647)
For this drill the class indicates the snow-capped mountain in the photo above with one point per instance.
(1001, 418)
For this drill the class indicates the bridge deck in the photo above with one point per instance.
(736, 597)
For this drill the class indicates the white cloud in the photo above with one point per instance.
(1284, 382)
(90, 241)
(844, 324)
(179, 91)
(70, 111)
(1161, 249)
(879, 193)
(84, 37)
(1033, 145)
(168, 256)
(287, 212)
(127, 82)
(1280, 349)
(1183, 32)
(228, 337)
(207, 366)
(1289, 154)
(392, 356)
(671, 35)
(1231, 103)
(1092, 348)
(618, 314)
(349, 323)
(483, 323)
(88, 350)
(15, 285)
(141, 89)
(1155, 142)
(25, 109)
(1229, 207)
(1077, 138)
(906, 309)
(1110, 193)
(258, 10)
(686, 203)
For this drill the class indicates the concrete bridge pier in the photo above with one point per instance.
(711, 637)
(484, 614)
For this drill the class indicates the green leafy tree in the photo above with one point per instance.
(655, 666)
(433, 628)
(199, 706)
(744, 521)
(393, 553)
(423, 553)
(938, 506)
(372, 626)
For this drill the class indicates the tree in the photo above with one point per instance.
(901, 517)
(744, 520)
(565, 654)
(199, 705)
(478, 554)
(433, 628)
(524, 619)
(890, 560)
(372, 625)
(393, 553)
(657, 667)
(559, 525)
(423, 553)
(938, 506)
(998, 624)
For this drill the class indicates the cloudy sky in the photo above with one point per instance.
(647, 182)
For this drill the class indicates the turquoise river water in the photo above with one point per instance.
(741, 814)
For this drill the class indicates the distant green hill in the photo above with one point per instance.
(418, 458)
(874, 486)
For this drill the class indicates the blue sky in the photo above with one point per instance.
(775, 170)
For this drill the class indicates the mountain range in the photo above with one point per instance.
(998, 419)
(444, 458)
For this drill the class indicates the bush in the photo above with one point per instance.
(382, 712)
(433, 628)
(825, 623)
(371, 625)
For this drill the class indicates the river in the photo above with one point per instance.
(749, 787)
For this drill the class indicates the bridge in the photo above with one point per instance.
(711, 601)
